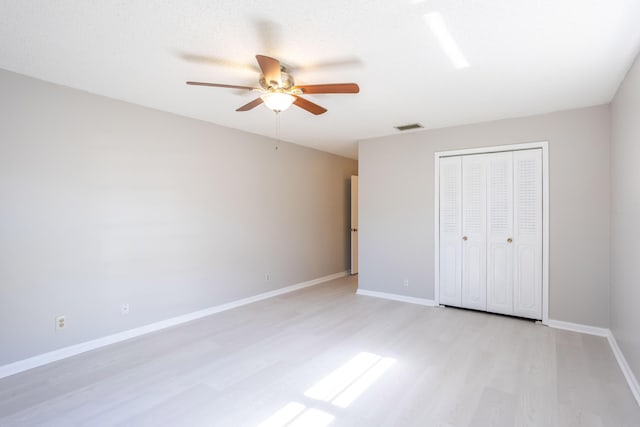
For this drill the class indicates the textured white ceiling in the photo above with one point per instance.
(526, 57)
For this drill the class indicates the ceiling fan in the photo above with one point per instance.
(279, 90)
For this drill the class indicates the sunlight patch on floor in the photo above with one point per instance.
(364, 382)
(284, 416)
(312, 418)
(346, 383)
(340, 388)
(295, 414)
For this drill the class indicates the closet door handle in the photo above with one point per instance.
(509, 240)
(464, 237)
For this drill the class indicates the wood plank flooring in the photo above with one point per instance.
(240, 367)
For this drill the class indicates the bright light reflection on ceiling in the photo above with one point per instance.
(447, 43)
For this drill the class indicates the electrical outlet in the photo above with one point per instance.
(406, 283)
(124, 309)
(60, 323)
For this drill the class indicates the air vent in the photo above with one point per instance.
(409, 127)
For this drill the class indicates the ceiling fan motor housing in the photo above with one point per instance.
(286, 84)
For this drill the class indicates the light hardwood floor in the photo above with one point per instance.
(240, 367)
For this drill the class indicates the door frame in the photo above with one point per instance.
(353, 231)
(544, 145)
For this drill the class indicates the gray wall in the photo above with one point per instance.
(104, 202)
(396, 207)
(625, 217)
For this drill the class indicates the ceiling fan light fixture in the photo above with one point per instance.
(278, 101)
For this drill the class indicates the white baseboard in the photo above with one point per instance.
(603, 332)
(63, 353)
(624, 366)
(396, 297)
(577, 327)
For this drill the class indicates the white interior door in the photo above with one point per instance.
(474, 231)
(354, 224)
(450, 231)
(527, 237)
(500, 233)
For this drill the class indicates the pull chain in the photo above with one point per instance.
(277, 129)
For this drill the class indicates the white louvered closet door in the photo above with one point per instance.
(474, 232)
(500, 233)
(527, 237)
(450, 231)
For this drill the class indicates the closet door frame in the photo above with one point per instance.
(544, 146)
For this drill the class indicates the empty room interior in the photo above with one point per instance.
(281, 213)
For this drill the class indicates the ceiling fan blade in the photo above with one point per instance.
(309, 106)
(251, 105)
(330, 88)
(220, 85)
(270, 69)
